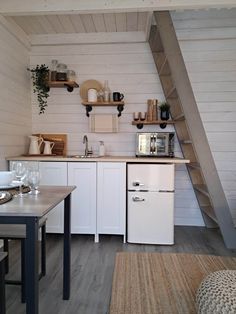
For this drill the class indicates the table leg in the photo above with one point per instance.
(2, 287)
(31, 266)
(67, 248)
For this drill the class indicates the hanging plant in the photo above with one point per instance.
(39, 76)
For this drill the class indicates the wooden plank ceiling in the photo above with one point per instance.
(82, 23)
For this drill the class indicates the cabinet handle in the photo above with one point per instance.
(138, 199)
(138, 184)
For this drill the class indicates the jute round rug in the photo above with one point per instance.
(153, 283)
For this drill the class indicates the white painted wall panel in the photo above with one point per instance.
(15, 105)
(129, 68)
(208, 44)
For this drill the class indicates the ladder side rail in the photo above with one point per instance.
(185, 93)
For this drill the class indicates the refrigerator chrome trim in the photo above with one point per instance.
(166, 191)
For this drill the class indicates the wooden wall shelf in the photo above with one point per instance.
(89, 105)
(162, 123)
(70, 85)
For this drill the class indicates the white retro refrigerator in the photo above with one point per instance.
(150, 199)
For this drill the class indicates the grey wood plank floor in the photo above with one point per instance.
(92, 268)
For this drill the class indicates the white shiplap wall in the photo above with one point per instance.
(129, 68)
(15, 104)
(208, 44)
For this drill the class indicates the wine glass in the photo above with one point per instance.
(20, 170)
(33, 178)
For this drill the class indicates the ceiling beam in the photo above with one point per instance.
(16, 31)
(38, 7)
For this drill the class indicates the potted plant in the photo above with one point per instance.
(164, 111)
(40, 75)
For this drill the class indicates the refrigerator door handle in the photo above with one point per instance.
(138, 199)
(137, 183)
(166, 191)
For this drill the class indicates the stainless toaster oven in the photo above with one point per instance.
(155, 144)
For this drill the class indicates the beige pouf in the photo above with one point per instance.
(217, 293)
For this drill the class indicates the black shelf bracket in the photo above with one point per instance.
(120, 108)
(139, 126)
(163, 125)
(69, 88)
(88, 109)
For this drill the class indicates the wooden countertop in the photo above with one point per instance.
(127, 159)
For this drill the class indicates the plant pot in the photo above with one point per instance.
(165, 115)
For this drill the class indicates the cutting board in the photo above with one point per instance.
(60, 140)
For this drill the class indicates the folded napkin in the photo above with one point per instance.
(103, 123)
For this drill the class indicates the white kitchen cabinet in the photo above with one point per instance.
(54, 173)
(83, 201)
(111, 198)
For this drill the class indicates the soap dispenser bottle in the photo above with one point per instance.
(101, 149)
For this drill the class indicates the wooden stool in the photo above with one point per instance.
(3, 256)
(18, 232)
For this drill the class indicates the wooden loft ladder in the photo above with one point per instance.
(189, 128)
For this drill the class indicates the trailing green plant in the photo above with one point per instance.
(164, 106)
(39, 76)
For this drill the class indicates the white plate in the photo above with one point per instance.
(10, 186)
(85, 86)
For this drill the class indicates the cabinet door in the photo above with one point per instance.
(54, 173)
(83, 201)
(111, 198)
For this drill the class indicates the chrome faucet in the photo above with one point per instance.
(85, 141)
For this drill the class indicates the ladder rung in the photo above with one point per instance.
(172, 90)
(179, 117)
(201, 188)
(186, 142)
(208, 210)
(164, 69)
(194, 165)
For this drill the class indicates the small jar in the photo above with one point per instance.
(53, 70)
(61, 72)
(92, 95)
(101, 95)
(71, 76)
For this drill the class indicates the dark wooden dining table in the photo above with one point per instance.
(28, 210)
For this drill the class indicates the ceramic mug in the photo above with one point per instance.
(117, 96)
(92, 95)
